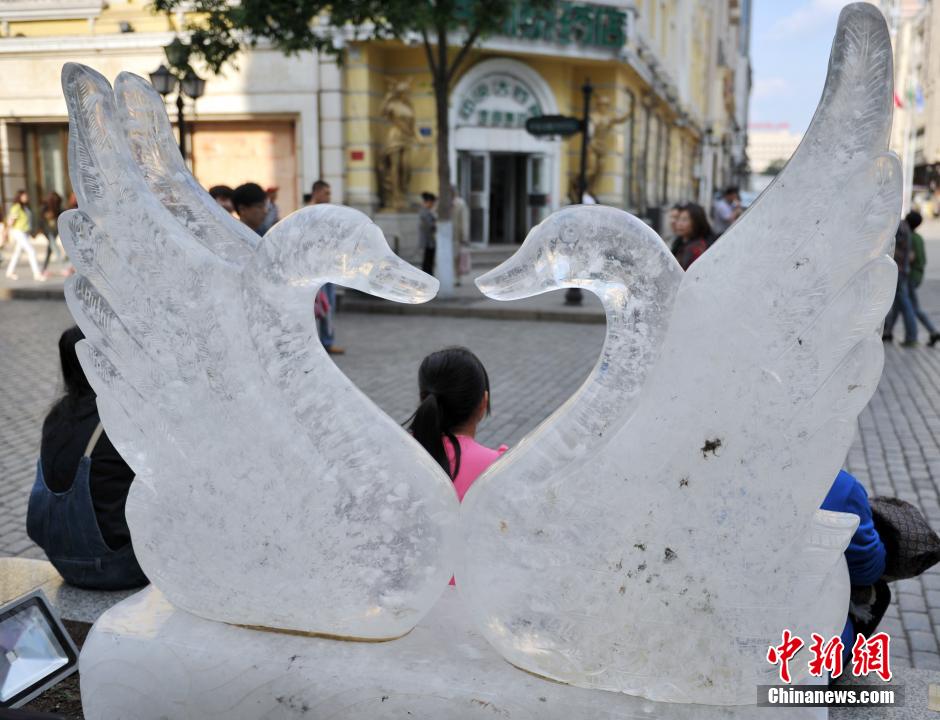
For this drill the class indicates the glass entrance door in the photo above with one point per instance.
(473, 175)
(507, 194)
(537, 190)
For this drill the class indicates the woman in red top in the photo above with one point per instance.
(693, 234)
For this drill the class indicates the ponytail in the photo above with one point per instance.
(426, 429)
(451, 385)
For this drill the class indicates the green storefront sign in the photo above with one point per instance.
(565, 23)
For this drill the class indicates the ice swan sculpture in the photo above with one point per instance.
(652, 537)
(255, 479)
(668, 510)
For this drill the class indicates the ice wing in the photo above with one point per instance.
(665, 559)
(245, 508)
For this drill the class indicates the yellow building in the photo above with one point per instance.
(257, 123)
(670, 82)
(667, 70)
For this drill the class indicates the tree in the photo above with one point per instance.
(220, 29)
(774, 167)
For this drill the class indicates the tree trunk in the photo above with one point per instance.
(441, 93)
(443, 147)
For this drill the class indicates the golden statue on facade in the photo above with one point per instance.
(603, 121)
(395, 167)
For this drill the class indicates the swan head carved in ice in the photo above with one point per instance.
(601, 249)
(338, 244)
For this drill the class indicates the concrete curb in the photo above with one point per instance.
(355, 305)
(55, 292)
(462, 311)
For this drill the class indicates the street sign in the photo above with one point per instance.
(553, 125)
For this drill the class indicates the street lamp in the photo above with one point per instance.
(193, 85)
(574, 296)
(163, 81)
(181, 78)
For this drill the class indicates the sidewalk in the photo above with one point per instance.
(467, 302)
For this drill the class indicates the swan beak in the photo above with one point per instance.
(391, 278)
(514, 279)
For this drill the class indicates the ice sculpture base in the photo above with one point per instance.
(146, 659)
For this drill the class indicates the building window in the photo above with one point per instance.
(46, 155)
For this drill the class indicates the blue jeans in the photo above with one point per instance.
(904, 306)
(65, 527)
(920, 314)
(325, 324)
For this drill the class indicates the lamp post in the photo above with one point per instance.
(180, 77)
(574, 296)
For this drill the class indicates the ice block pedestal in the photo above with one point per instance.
(146, 659)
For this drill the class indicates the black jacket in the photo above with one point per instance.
(65, 433)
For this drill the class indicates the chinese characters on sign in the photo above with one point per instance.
(498, 100)
(562, 23)
(567, 23)
(869, 655)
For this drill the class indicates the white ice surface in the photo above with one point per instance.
(145, 660)
(654, 534)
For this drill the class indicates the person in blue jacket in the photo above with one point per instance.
(865, 554)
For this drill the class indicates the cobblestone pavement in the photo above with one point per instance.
(534, 367)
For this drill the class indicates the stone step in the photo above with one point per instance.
(492, 255)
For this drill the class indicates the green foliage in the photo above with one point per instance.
(774, 167)
(219, 29)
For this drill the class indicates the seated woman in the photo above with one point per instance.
(76, 508)
(865, 555)
(454, 391)
(693, 234)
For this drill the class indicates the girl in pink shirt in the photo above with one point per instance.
(454, 391)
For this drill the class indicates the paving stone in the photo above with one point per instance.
(922, 641)
(925, 660)
(917, 621)
(908, 601)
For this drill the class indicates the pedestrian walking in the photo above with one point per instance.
(427, 231)
(76, 507)
(20, 226)
(325, 303)
(460, 218)
(902, 295)
(49, 225)
(693, 234)
(726, 210)
(916, 275)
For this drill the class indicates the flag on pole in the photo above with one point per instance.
(919, 99)
(897, 100)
